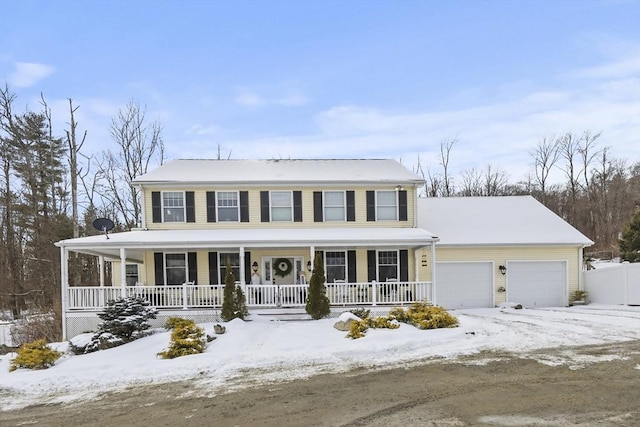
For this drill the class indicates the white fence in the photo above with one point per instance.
(619, 284)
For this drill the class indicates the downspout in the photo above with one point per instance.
(143, 208)
(123, 272)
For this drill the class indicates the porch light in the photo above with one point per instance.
(308, 265)
(254, 267)
(503, 269)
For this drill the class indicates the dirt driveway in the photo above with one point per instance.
(490, 389)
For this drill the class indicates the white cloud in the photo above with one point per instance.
(249, 98)
(27, 74)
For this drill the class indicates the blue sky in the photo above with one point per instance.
(336, 79)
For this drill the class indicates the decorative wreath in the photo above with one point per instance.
(282, 267)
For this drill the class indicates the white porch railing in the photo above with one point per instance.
(211, 296)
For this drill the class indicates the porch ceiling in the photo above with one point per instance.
(137, 241)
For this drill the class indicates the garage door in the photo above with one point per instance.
(464, 284)
(537, 283)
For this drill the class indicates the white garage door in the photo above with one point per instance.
(537, 283)
(464, 284)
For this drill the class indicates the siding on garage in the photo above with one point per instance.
(501, 254)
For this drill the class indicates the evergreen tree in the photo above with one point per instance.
(630, 242)
(317, 302)
(234, 304)
(241, 303)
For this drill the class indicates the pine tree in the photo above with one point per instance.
(241, 303)
(630, 242)
(317, 303)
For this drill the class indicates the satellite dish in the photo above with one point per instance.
(103, 224)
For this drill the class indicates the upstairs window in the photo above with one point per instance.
(334, 206)
(386, 205)
(228, 207)
(173, 208)
(281, 206)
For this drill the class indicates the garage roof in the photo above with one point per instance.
(508, 220)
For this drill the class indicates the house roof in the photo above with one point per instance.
(137, 241)
(238, 172)
(509, 220)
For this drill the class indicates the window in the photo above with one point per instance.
(228, 206)
(334, 206)
(281, 206)
(175, 269)
(234, 260)
(131, 274)
(336, 265)
(386, 205)
(387, 265)
(173, 206)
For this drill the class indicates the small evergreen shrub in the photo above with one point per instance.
(35, 355)
(423, 315)
(317, 305)
(173, 322)
(187, 338)
(124, 320)
(358, 329)
(362, 313)
(234, 303)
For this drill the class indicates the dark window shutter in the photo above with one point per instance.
(402, 205)
(351, 267)
(190, 204)
(247, 268)
(371, 205)
(404, 265)
(213, 268)
(158, 267)
(351, 206)
(244, 206)
(211, 206)
(156, 207)
(264, 206)
(297, 206)
(371, 265)
(317, 206)
(192, 259)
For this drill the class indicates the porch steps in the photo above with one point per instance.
(281, 315)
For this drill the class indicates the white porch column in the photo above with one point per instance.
(433, 272)
(101, 264)
(242, 275)
(123, 272)
(64, 285)
(312, 256)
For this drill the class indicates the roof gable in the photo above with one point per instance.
(508, 220)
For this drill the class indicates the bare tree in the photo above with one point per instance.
(445, 154)
(471, 183)
(495, 180)
(74, 168)
(545, 156)
(139, 146)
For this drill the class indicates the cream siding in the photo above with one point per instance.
(254, 209)
(499, 255)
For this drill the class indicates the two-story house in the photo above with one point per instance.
(266, 220)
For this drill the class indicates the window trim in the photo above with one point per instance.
(218, 207)
(271, 206)
(378, 205)
(184, 207)
(186, 266)
(378, 264)
(343, 206)
(127, 274)
(345, 265)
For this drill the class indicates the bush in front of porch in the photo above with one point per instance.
(317, 305)
(186, 338)
(234, 304)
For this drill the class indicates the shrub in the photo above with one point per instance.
(317, 305)
(34, 327)
(423, 315)
(187, 338)
(362, 313)
(174, 322)
(359, 328)
(234, 303)
(124, 320)
(35, 355)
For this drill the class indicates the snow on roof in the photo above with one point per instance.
(509, 220)
(280, 171)
(140, 240)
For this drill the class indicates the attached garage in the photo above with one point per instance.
(537, 283)
(464, 284)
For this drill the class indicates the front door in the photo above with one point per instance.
(282, 270)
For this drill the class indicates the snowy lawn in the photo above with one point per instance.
(260, 351)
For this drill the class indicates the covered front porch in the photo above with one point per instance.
(185, 270)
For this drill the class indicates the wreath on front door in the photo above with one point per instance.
(282, 267)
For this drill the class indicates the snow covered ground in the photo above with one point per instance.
(261, 351)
